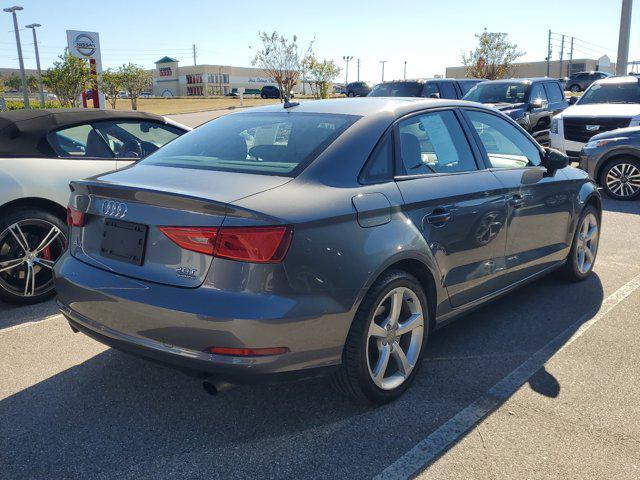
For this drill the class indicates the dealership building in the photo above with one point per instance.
(556, 69)
(172, 80)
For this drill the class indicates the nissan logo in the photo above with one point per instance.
(85, 45)
(592, 128)
(111, 208)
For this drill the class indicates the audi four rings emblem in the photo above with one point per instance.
(111, 208)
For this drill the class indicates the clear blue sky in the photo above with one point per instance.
(429, 35)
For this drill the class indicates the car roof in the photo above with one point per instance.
(362, 106)
(23, 132)
(524, 80)
(420, 80)
(621, 79)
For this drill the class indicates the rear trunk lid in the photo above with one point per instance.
(124, 211)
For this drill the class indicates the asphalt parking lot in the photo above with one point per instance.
(72, 408)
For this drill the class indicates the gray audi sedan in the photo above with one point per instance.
(322, 237)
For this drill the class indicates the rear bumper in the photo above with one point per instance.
(174, 326)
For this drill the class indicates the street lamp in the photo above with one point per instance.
(33, 27)
(383, 62)
(347, 59)
(23, 77)
(405, 69)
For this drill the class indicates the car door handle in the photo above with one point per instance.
(438, 217)
(516, 201)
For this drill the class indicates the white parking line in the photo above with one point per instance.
(427, 450)
(30, 324)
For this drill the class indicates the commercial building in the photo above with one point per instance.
(172, 80)
(556, 69)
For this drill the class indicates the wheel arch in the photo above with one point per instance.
(35, 202)
(612, 157)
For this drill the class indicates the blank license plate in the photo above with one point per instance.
(123, 241)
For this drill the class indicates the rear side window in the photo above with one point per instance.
(434, 143)
(448, 90)
(379, 168)
(262, 143)
(131, 139)
(79, 141)
(554, 92)
(397, 89)
(506, 145)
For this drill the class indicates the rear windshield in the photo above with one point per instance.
(397, 89)
(499, 92)
(627, 92)
(263, 143)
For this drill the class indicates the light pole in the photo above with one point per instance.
(405, 69)
(23, 77)
(623, 40)
(33, 27)
(383, 62)
(347, 59)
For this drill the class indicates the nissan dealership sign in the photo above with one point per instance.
(86, 45)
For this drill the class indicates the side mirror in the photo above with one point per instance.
(554, 160)
(573, 100)
(539, 103)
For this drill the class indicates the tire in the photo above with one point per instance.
(351, 94)
(263, 96)
(367, 344)
(574, 268)
(575, 88)
(620, 178)
(40, 229)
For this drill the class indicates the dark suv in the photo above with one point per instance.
(579, 82)
(431, 88)
(358, 89)
(532, 102)
(269, 91)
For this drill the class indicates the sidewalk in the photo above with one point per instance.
(575, 418)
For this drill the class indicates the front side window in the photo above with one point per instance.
(505, 144)
(79, 141)
(554, 92)
(434, 143)
(260, 143)
(430, 90)
(537, 92)
(134, 139)
(448, 90)
(622, 92)
(498, 92)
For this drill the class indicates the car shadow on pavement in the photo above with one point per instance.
(12, 315)
(610, 205)
(118, 416)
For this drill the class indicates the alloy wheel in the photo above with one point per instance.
(587, 243)
(28, 250)
(623, 180)
(394, 338)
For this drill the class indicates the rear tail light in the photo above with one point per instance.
(246, 244)
(201, 240)
(75, 218)
(247, 352)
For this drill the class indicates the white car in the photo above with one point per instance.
(606, 105)
(41, 151)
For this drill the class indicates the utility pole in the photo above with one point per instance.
(561, 55)
(358, 62)
(383, 62)
(570, 59)
(23, 77)
(347, 59)
(549, 55)
(194, 55)
(33, 27)
(623, 40)
(405, 69)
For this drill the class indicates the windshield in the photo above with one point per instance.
(262, 143)
(467, 85)
(627, 92)
(397, 89)
(498, 92)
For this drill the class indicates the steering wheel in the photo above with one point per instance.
(132, 148)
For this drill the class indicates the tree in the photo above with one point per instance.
(492, 58)
(68, 78)
(280, 59)
(32, 83)
(111, 83)
(14, 82)
(322, 74)
(135, 80)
